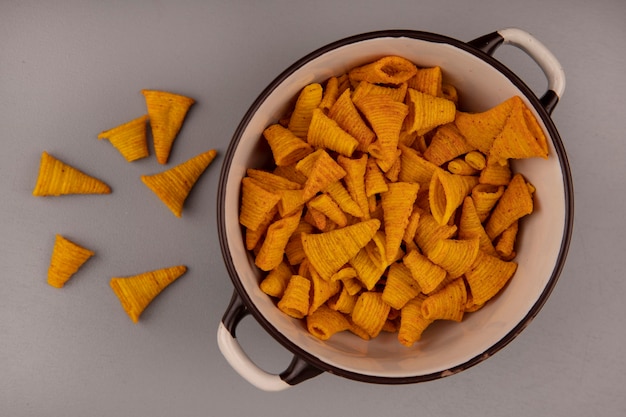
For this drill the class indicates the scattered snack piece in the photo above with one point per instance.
(129, 138)
(173, 186)
(137, 292)
(67, 258)
(58, 178)
(388, 208)
(167, 112)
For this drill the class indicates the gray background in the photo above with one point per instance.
(70, 69)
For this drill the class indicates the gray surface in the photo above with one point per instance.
(71, 70)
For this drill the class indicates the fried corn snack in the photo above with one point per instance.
(400, 205)
(515, 203)
(481, 129)
(446, 193)
(295, 300)
(521, 137)
(137, 292)
(329, 251)
(400, 287)
(57, 178)
(129, 138)
(427, 112)
(386, 70)
(67, 258)
(345, 113)
(412, 321)
(174, 185)
(428, 81)
(325, 132)
(370, 312)
(447, 303)
(287, 148)
(308, 100)
(487, 276)
(167, 111)
(427, 274)
(446, 144)
(325, 322)
(275, 282)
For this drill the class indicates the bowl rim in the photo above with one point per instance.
(544, 114)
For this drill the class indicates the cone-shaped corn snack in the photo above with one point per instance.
(345, 113)
(137, 292)
(480, 129)
(487, 277)
(173, 186)
(58, 178)
(446, 193)
(287, 148)
(515, 203)
(328, 252)
(447, 143)
(309, 99)
(397, 208)
(67, 258)
(324, 132)
(386, 70)
(426, 112)
(167, 112)
(129, 138)
(447, 303)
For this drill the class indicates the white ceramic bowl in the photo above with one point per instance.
(446, 348)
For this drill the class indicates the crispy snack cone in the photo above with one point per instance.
(58, 178)
(278, 233)
(167, 112)
(487, 276)
(308, 100)
(484, 199)
(324, 132)
(67, 258)
(429, 231)
(342, 197)
(271, 181)
(521, 136)
(321, 171)
(321, 290)
(400, 286)
(386, 70)
(295, 300)
(447, 303)
(173, 186)
(345, 113)
(370, 312)
(412, 322)
(364, 89)
(446, 193)
(447, 143)
(397, 206)
(129, 138)
(454, 255)
(480, 129)
(325, 322)
(137, 292)
(368, 270)
(386, 117)
(355, 181)
(428, 81)
(256, 203)
(515, 203)
(326, 205)
(505, 247)
(471, 227)
(328, 252)
(330, 95)
(275, 282)
(495, 172)
(426, 112)
(414, 168)
(424, 271)
(287, 148)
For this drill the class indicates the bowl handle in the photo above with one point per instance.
(537, 51)
(298, 370)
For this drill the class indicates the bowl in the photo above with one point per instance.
(448, 347)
